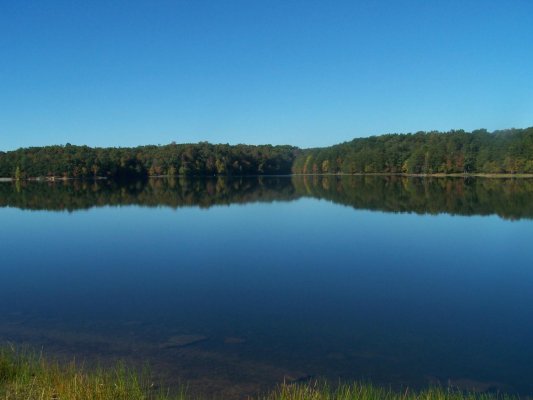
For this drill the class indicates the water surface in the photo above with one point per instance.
(233, 285)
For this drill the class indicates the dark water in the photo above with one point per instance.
(235, 285)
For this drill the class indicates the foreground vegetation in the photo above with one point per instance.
(24, 376)
(356, 391)
(454, 152)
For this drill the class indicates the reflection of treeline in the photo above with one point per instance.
(509, 151)
(508, 198)
(170, 192)
(173, 159)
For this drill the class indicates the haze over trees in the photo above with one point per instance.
(454, 152)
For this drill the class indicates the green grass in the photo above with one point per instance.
(26, 376)
(359, 391)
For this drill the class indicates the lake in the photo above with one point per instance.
(234, 285)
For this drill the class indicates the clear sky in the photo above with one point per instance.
(307, 73)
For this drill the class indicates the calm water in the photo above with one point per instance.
(235, 285)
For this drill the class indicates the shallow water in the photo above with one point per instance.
(234, 285)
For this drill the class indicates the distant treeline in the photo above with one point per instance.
(455, 152)
(174, 159)
(509, 198)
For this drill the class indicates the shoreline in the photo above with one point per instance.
(24, 373)
(439, 175)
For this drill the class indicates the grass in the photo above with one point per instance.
(360, 391)
(27, 376)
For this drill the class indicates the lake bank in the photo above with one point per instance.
(178, 176)
(439, 175)
(25, 375)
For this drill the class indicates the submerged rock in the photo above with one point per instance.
(297, 377)
(178, 341)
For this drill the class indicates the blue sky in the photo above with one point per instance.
(307, 73)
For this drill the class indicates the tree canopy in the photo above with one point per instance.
(454, 152)
(509, 151)
(174, 159)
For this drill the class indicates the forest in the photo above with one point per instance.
(454, 152)
(203, 159)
